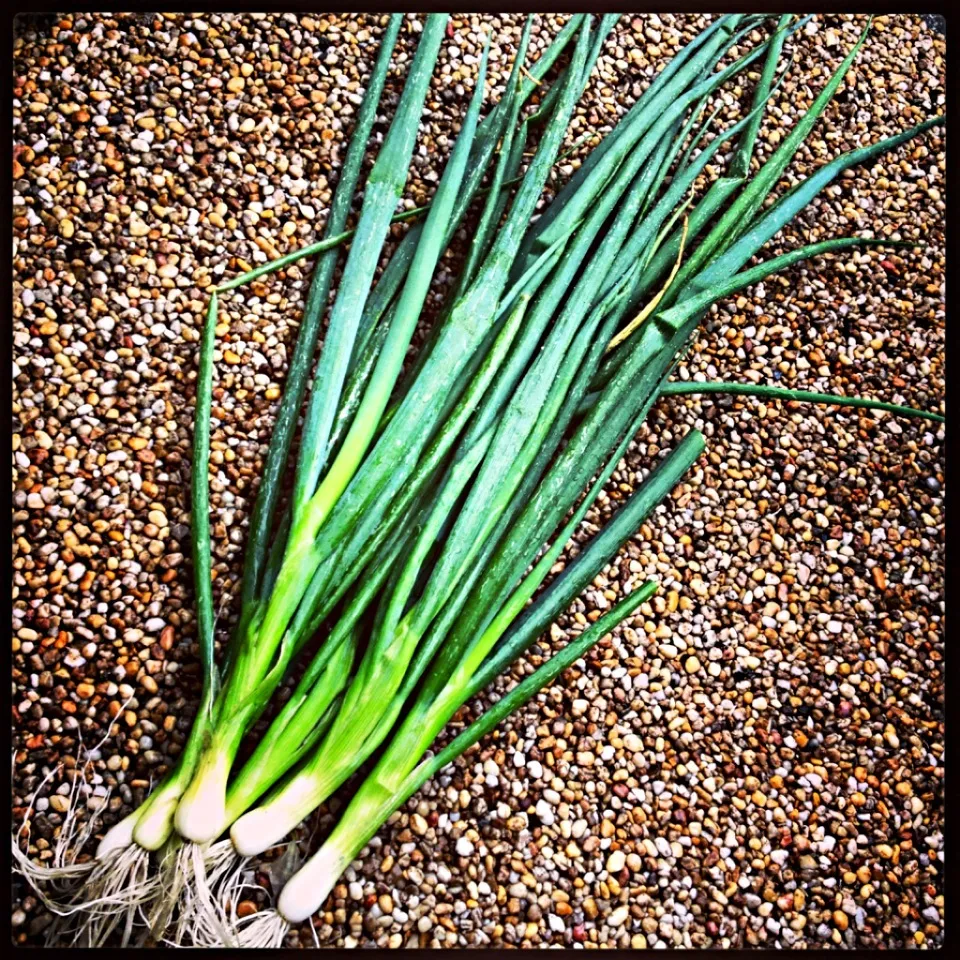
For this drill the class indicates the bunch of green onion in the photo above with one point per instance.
(428, 508)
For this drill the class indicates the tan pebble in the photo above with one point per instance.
(66, 229)
(418, 824)
(616, 861)
(691, 665)
(841, 920)
(236, 84)
(619, 916)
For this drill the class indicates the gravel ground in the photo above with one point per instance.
(758, 758)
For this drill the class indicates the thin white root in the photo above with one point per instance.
(117, 894)
(214, 921)
(210, 918)
(58, 881)
(53, 885)
(209, 914)
(171, 876)
(265, 930)
(190, 912)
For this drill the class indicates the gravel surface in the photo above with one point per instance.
(758, 757)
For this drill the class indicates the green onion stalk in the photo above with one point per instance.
(299, 598)
(150, 827)
(152, 824)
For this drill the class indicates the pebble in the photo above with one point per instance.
(619, 916)
(616, 862)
